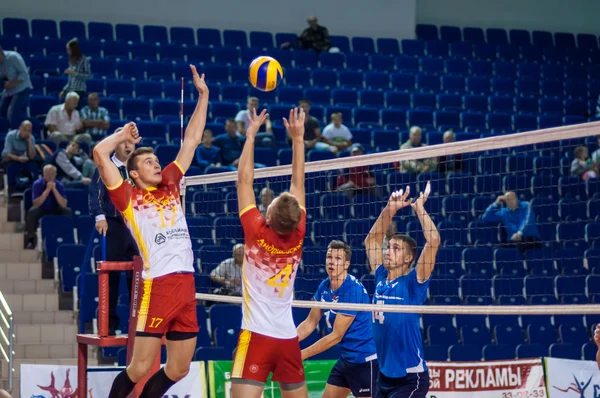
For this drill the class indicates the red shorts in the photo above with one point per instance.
(168, 305)
(257, 355)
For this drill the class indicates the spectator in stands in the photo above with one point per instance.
(207, 152)
(95, 118)
(312, 127)
(315, 37)
(583, 166)
(336, 136)
(120, 245)
(229, 273)
(449, 163)
(79, 70)
(19, 153)
(518, 219)
(596, 154)
(74, 166)
(266, 197)
(17, 87)
(63, 122)
(241, 128)
(421, 165)
(356, 180)
(230, 144)
(49, 198)
(242, 116)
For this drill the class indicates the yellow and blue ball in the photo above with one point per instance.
(265, 73)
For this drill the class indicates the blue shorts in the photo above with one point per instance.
(360, 378)
(413, 385)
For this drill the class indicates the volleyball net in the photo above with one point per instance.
(541, 256)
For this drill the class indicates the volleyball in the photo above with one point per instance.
(265, 73)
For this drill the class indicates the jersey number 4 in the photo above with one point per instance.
(282, 279)
(378, 315)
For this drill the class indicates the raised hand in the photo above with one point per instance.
(399, 199)
(295, 125)
(597, 335)
(255, 122)
(199, 82)
(130, 133)
(420, 202)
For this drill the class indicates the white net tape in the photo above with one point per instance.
(483, 145)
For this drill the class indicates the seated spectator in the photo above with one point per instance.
(230, 144)
(229, 273)
(73, 165)
(315, 37)
(336, 136)
(16, 87)
(518, 219)
(356, 180)
(63, 122)
(417, 165)
(79, 70)
(596, 154)
(242, 116)
(18, 154)
(583, 166)
(207, 154)
(266, 197)
(312, 127)
(449, 163)
(95, 119)
(49, 198)
(241, 128)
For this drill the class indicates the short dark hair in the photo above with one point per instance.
(231, 121)
(579, 151)
(338, 244)
(286, 214)
(304, 101)
(132, 163)
(76, 53)
(410, 242)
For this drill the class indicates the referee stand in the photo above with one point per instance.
(102, 339)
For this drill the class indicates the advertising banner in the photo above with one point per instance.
(493, 379)
(569, 378)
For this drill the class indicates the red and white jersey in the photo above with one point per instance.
(156, 220)
(270, 265)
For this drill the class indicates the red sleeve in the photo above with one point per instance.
(301, 228)
(120, 195)
(172, 175)
(252, 221)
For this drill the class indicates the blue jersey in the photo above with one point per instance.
(357, 344)
(398, 335)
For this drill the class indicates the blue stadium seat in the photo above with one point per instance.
(512, 286)
(427, 32)
(155, 34)
(475, 103)
(401, 81)
(128, 33)
(85, 227)
(443, 335)
(542, 38)
(542, 334)
(531, 350)
(443, 286)
(414, 48)
(509, 334)
(571, 235)
(235, 38)
(357, 62)
(261, 40)
(43, 29)
(428, 83)
(364, 45)
(474, 285)
(474, 35)
(478, 261)
(450, 33)
(566, 351)
(464, 352)
(226, 337)
(78, 202)
(387, 46)
(56, 230)
(493, 352)
(436, 48)
(324, 229)
(483, 233)
(449, 262)
(100, 31)
(570, 285)
(501, 103)
(496, 36)
(182, 36)
(70, 259)
(574, 334)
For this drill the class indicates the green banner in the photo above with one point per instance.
(316, 373)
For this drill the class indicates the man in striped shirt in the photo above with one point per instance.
(95, 119)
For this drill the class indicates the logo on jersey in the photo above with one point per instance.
(159, 239)
(253, 368)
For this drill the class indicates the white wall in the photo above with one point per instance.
(576, 16)
(377, 18)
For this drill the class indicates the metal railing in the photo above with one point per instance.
(7, 335)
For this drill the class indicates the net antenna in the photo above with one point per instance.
(486, 145)
(181, 113)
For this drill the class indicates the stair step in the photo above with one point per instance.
(20, 270)
(43, 317)
(32, 302)
(21, 255)
(57, 334)
(9, 228)
(49, 351)
(11, 241)
(27, 286)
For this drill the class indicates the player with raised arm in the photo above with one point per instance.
(153, 212)
(357, 369)
(268, 342)
(402, 369)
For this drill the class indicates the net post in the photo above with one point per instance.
(102, 300)
(82, 362)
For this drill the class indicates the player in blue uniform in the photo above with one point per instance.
(403, 372)
(357, 369)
